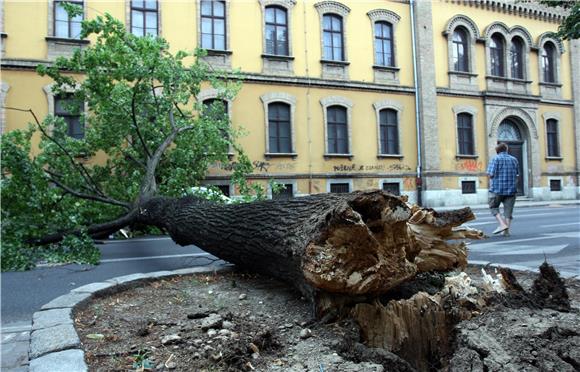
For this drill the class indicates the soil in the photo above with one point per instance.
(232, 321)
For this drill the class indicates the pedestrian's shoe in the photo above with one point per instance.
(506, 233)
(500, 229)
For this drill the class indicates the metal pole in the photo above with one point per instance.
(419, 179)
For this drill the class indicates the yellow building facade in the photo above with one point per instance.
(411, 97)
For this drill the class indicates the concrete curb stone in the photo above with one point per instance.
(62, 361)
(57, 338)
(55, 344)
(51, 318)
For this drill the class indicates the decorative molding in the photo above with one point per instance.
(496, 27)
(523, 115)
(384, 15)
(288, 4)
(533, 10)
(549, 36)
(524, 34)
(328, 6)
(465, 21)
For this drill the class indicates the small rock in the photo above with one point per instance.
(207, 348)
(133, 347)
(534, 353)
(216, 357)
(228, 325)
(234, 335)
(303, 324)
(255, 356)
(170, 339)
(212, 333)
(196, 355)
(198, 342)
(171, 365)
(252, 318)
(243, 296)
(305, 333)
(212, 321)
(160, 366)
(224, 332)
(288, 325)
(254, 348)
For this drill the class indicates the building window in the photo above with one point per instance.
(340, 188)
(468, 187)
(392, 187)
(465, 134)
(337, 130)
(548, 59)
(213, 25)
(332, 37)
(384, 48)
(555, 185)
(496, 51)
(517, 58)
(144, 17)
(64, 26)
(284, 194)
(552, 138)
(460, 50)
(389, 132)
(280, 135)
(277, 31)
(225, 189)
(70, 109)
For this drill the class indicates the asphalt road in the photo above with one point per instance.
(537, 233)
(23, 293)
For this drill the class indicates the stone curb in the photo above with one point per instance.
(54, 343)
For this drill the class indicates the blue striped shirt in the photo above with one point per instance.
(503, 170)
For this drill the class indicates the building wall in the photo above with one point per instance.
(309, 170)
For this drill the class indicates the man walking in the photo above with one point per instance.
(503, 176)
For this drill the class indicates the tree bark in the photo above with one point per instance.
(332, 247)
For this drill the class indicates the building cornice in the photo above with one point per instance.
(503, 96)
(27, 64)
(522, 8)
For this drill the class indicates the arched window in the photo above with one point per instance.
(496, 55)
(465, 134)
(276, 31)
(337, 130)
(460, 50)
(384, 49)
(213, 25)
(389, 131)
(332, 37)
(279, 130)
(552, 137)
(548, 66)
(517, 58)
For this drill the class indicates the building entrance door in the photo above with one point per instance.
(509, 133)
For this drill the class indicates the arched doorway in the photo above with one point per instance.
(510, 133)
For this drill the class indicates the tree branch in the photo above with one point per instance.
(114, 225)
(78, 166)
(134, 120)
(80, 195)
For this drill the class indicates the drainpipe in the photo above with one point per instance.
(419, 179)
(308, 118)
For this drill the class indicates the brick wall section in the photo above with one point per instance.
(427, 93)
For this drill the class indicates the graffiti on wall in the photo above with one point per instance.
(469, 165)
(371, 167)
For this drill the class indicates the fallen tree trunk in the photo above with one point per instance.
(332, 247)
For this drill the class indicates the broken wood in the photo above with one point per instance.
(329, 246)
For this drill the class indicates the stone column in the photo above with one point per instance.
(575, 68)
(427, 91)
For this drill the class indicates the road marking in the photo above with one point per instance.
(561, 224)
(543, 237)
(479, 223)
(523, 250)
(154, 257)
(518, 216)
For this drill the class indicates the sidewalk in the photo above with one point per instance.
(15, 344)
(520, 203)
